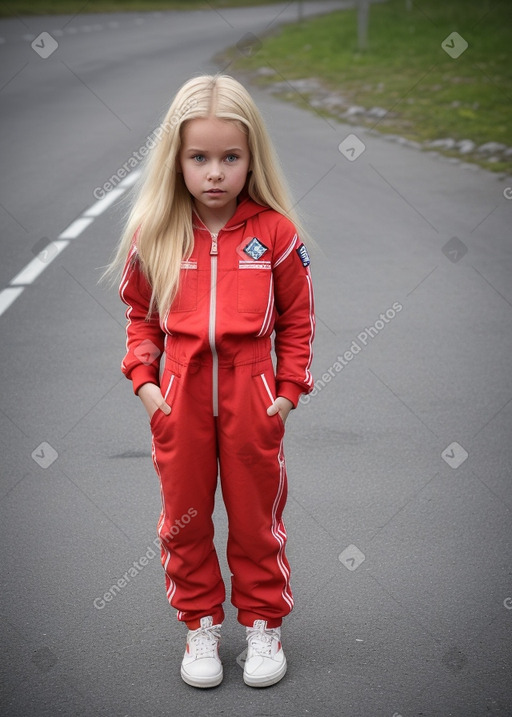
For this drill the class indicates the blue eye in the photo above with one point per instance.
(198, 158)
(230, 158)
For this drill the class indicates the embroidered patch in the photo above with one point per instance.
(303, 255)
(246, 264)
(255, 249)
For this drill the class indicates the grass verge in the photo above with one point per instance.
(426, 93)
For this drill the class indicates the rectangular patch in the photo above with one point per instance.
(190, 264)
(303, 255)
(254, 265)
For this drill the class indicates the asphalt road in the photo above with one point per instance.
(399, 514)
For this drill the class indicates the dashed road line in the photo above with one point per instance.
(36, 266)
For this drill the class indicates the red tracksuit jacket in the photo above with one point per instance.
(235, 289)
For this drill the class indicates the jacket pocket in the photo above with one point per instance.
(169, 388)
(265, 385)
(255, 287)
(186, 297)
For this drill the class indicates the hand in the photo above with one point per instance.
(281, 405)
(151, 397)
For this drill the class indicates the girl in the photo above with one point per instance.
(213, 267)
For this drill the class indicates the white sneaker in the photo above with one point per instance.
(265, 664)
(201, 666)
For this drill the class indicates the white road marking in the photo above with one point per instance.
(99, 207)
(76, 228)
(35, 267)
(130, 179)
(7, 296)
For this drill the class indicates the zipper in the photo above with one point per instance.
(214, 251)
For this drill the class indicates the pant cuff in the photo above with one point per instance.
(247, 619)
(217, 615)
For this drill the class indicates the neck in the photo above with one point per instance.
(214, 221)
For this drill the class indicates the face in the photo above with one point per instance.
(214, 159)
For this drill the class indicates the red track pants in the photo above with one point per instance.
(190, 445)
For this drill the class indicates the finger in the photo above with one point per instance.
(272, 410)
(165, 408)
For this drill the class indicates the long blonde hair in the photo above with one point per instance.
(161, 212)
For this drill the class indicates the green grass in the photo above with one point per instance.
(404, 70)
(72, 7)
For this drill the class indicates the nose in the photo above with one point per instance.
(215, 172)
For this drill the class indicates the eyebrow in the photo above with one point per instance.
(203, 151)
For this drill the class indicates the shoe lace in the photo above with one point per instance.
(261, 641)
(205, 640)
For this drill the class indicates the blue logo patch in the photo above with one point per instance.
(255, 249)
(303, 255)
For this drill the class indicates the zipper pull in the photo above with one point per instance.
(214, 248)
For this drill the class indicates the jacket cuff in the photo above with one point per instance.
(143, 374)
(291, 391)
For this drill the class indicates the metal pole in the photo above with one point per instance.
(363, 12)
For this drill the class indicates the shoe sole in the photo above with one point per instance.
(266, 681)
(204, 683)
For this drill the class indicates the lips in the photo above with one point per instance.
(215, 191)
